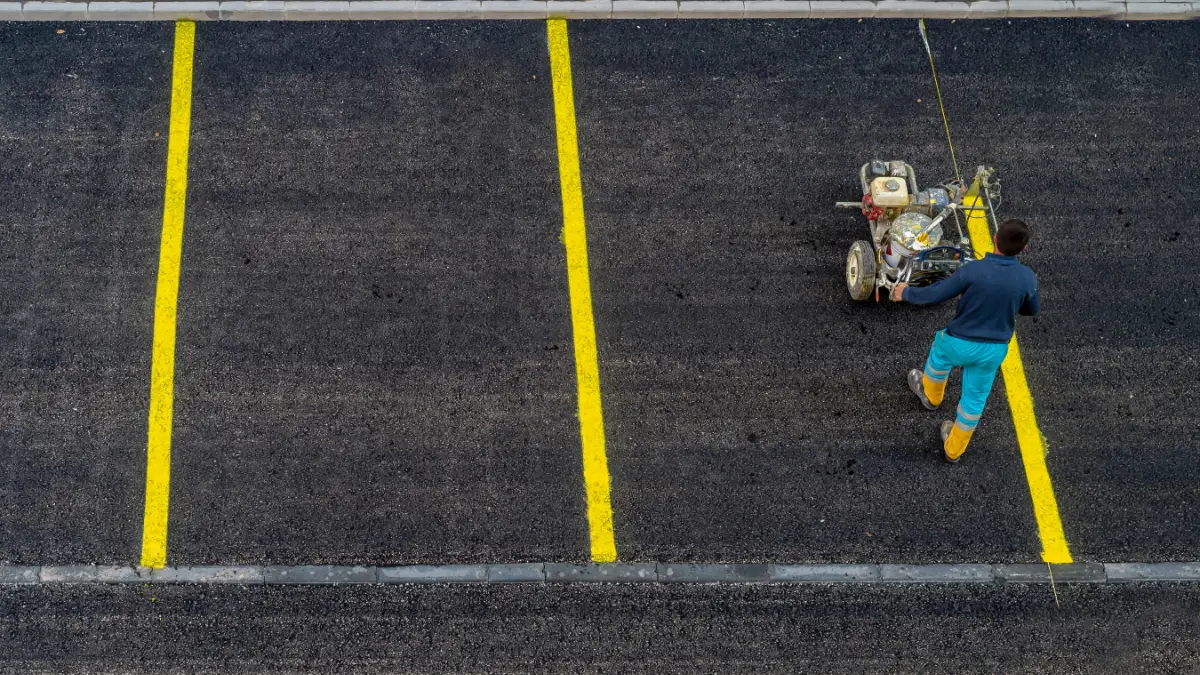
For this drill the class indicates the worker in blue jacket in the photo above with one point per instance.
(994, 290)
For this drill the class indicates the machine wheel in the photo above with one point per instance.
(860, 270)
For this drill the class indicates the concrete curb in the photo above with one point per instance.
(249, 575)
(571, 573)
(937, 574)
(823, 573)
(578, 9)
(1090, 573)
(431, 10)
(433, 574)
(280, 575)
(622, 572)
(93, 574)
(516, 573)
(1127, 572)
(20, 575)
(691, 573)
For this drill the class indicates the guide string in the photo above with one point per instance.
(938, 89)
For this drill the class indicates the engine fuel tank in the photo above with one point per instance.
(889, 192)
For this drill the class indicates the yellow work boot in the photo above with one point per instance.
(945, 430)
(916, 382)
(954, 441)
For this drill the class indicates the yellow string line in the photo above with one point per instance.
(938, 89)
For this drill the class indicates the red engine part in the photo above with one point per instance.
(869, 209)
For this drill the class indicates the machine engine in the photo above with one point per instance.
(890, 189)
(900, 213)
(908, 244)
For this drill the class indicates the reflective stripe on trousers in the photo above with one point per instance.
(979, 361)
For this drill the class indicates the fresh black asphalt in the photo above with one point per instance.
(375, 360)
(375, 347)
(374, 350)
(600, 629)
(83, 122)
(754, 412)
(1101, 135)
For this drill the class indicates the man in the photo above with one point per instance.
(994, 290)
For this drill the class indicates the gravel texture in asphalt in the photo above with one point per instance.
(603, 628)
(374, 359)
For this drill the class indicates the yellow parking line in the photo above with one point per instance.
(1029, 437)
(162, 370)
(587, 373)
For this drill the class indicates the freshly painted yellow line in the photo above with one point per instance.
(162, 369)
(587, 373)
(1029, 437)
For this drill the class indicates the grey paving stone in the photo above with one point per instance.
(1127, 572)
(937, 573)
(94, 574)
(318, 10)
(1099, 8)
(1161, 11)
(195, 11)
(711, 9)
(841, 9)
(54, 11)
(582, 9)
(210, 574)
(120, 11)
(772, 9)
(433, 574)
(19, 574)
(1038, 8)
(332, 10)
(513, 9)
(1040, 573)
(987, 9)
(381, 10)
(823, 573)
(254, 10)
(712, 572)
(516, 573)
(920, 9)
(446, 9)
(319, 574)
(600, 572)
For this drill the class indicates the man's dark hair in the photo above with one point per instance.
(1012, 237)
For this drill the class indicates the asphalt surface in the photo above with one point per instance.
(755, 412)
(616, 629)
(375, 365)
(83, 120)
(375, 348)
(374, 354)
(1103, 170)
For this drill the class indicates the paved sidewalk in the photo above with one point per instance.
(360, 10)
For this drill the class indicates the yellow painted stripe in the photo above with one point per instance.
(1029, 437)
(162, 370)
(587, 373)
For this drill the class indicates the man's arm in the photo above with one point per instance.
(1030, 306)
(939, 292)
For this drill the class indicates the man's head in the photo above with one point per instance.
(1012, 237)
